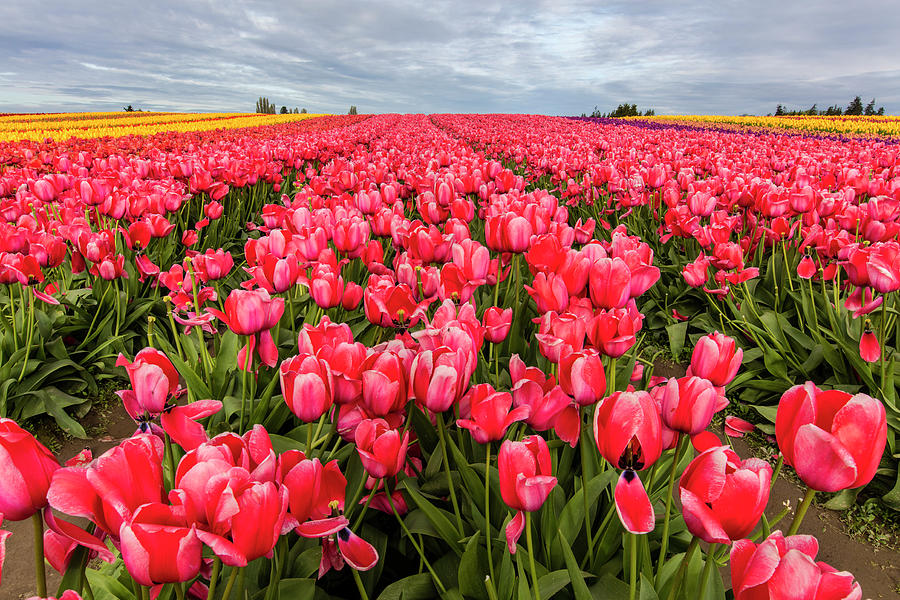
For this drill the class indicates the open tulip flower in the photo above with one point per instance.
(248, 313)
(832, 438)
(786, 567)
(723, 497)
(628, 432)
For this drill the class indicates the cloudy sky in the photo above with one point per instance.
(555, 57)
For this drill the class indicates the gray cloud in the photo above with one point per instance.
(565, 57)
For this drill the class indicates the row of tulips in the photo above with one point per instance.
(380, 290)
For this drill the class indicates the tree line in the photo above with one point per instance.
(855, 108)
(623, 110)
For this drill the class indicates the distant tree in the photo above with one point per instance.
(623, 110)
(303, 111)
(352, 110)
(128, 108)
(812, 110)
(649, 112)
(284, 110)
(779, 110)
(880, 112)
(263, 106)
(833, 110)
(855, 107)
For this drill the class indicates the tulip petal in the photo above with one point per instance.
(821, 461)
(223, 548)
(357, 552)
(736, 427)
(514, 530)
(322, 527)
(700, 519)
(533, 491)
(77, 535)
(633, 505)
(838, 585)
(797, 576)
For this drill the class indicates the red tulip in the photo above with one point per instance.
(114, 485)
(26, 469)
(158, 546)
(438, 378)
(832, 439)
(610, 283)
(489, 413)
(807, 268)
(688, 404)
(716, 358)
(315, 491)
(784, 567)
(306, 384)
(628, 433)
(612, 332)
(723, 497)
(384, 383)
(497, 323)
(736, 427)
(525, 480)
(696, 273)
(153, 381)
(581, 375)
(381, 449)
(248, 312)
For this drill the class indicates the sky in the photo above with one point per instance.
(556, 57)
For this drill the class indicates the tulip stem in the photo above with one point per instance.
(528, 541)
(365, 507)
(170, 462)
(40, 573)
(30, 335)
(679, 577)
(882, 344)
(776, 471)
(214, 577)
(412, 539)
(231, 579)
(443, 435)
(244, 369)
(707, 571)
(632, 567)
(584, 492)
(145, 592)
(612, 376)
(487, 511)
(801, 511)
(179, 591)
(359, 585)
(670, 489)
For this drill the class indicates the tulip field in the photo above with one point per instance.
(412, 356)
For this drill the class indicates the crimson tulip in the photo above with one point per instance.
(113, 486)
(869, 348)
(154, 380)
(497, 323)
(306, 384)
(489, 414)
(688, 404)
(613, 332)
(381, 449)
(628, 433)
(785, 567)
(834, 440)
(526, 479)
(716, 358)
(438, 378)
(582, 376)
(251, 312)
(610, 283)
(723, 497)
(26, 469)
(384, 383)
(159, 547)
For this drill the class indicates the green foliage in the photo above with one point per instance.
(623, 110)
(263, 106)
(352, 110)
(854, 108)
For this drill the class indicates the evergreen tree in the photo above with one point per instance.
(263, 106)
(779, 110)
(284, 110)
(855, 107)
(352, 110)
(303, 111)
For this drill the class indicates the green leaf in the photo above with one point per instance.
(571, 520)
(677, 332)
(62, 418)
(579, 587)
(647, 590)
(552, 582)
(107, 588)
(414, 587)
(297, 589)
(472, 574)
(437, 517)
(194, 383)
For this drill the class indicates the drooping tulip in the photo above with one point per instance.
(526, 479)
(834, 440)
